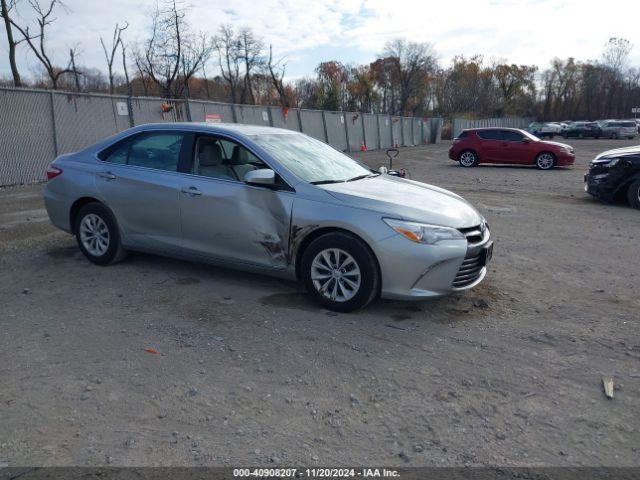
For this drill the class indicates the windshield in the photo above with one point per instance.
(309, 159)
(529, 135)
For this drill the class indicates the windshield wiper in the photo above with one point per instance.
(324, 182)
(360, 177)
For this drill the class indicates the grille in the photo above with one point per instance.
(469, 272)
(473, 234)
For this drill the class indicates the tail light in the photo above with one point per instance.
(53, 172)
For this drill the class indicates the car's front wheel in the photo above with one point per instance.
(468, 159)
(97, 235)
(633, 194)
(340, 272)
(545, 161)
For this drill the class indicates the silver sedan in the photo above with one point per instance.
(272, 201)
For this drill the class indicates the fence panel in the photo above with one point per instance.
(252, 115)
(285, 118)
(312, 124)
(386, 137)
(396, 133)
(371, 131)
(336, 130)
(417, 131)
(354, 127)
(157, 110)
(436, 130)
(407, 132)
(213, 112)
(82, 120)
(27, 142)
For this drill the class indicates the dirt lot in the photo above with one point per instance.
(250, 372)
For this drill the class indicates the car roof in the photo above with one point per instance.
(493, 128)
(236, 128)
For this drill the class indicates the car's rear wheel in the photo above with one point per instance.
(340, 272)
(545, 161)
(468, 159)
(633, 194)
(97, 235)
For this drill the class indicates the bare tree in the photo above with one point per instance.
(195, 53)
(73, 68)
(277, 71)
(163, 50)
(5, 10)
(413, 63)
(616, 53)
(124, 67)
(37, 41)
(228, 50)
(250, 50)
(110, 54)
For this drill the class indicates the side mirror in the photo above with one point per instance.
(262, 176)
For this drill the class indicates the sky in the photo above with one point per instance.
(308, 32)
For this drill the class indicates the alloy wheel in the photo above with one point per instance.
(94, 235)
(467, 159)
(545, 161)
(335, 275)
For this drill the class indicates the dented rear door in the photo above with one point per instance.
(231, 221)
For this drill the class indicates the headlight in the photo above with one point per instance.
(422, 233)
(613, 162)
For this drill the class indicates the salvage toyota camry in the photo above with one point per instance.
(272, 201)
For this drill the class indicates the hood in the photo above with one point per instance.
(557, 144)
(408, 200)
(635, 150)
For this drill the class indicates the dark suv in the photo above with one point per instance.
(615, 175)
(583, 130)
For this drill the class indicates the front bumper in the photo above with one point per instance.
(417, 271)
(599, 185)
(565, 159)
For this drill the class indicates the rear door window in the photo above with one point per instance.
(489, 134)
(158, 150)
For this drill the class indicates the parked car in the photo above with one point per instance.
(615, 175)
(508, 146)
(540, 129)
(619, 129)
(583, 130)
(272, 201)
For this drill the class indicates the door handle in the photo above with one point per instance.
(107, 175)
(191, 191)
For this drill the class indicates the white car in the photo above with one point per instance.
(541, 129)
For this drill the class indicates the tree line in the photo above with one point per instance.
(235, 65)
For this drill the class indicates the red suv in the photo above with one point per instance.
(508, 146)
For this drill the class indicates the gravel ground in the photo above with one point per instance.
(249, 371)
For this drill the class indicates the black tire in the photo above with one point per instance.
(369, 284)
(468, 159)
(545, 160)
(633, 194)
(114, 251)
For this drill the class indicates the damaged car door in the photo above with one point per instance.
(225, 219)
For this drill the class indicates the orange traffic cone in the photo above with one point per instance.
(363, 147)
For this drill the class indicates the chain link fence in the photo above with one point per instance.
(38, 125)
